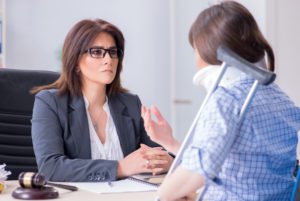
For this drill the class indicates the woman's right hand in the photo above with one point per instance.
(160, 131)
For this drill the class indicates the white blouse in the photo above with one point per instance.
(111, 149)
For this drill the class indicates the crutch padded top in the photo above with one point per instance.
(263, 76)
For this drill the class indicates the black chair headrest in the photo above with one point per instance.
(15, 86)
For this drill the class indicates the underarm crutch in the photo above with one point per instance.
(297, 179)
(231, 59)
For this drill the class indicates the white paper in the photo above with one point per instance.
(121, 186)
(3, 173)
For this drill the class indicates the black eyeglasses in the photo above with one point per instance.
(99, 52)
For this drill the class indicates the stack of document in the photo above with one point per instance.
(3, 176)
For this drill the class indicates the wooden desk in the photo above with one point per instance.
(84, 195)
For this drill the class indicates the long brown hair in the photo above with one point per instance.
(230, 24)
(76, 43)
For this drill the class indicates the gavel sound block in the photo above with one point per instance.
(45, 192)
(32, 187)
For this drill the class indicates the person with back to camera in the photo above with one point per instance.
(254, 161)
(85, 125)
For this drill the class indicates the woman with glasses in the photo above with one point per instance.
(85, 125)
(249, 160)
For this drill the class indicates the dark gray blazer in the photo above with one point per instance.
(61, 140)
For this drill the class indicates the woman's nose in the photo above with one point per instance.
(107, 58)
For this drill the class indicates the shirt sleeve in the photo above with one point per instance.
(214, 135)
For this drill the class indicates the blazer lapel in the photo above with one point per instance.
(124, 125)
(79, 128)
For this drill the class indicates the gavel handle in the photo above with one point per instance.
(68, 187)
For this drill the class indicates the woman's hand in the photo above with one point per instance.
(159, 131)
(145, 160)
(134, 163)
(158, 160)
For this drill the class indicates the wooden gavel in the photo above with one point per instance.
(36, 180)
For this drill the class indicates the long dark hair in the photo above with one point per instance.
(76, 43)
(230, 24)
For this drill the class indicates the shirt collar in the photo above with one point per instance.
(105, 106)
(207, 76)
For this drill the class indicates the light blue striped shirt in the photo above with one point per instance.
(254, 161)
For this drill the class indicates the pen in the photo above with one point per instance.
(109, 184)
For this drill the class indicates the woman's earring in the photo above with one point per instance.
(77, 70)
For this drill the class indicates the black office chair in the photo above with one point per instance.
(16, 105)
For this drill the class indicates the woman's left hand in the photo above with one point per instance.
(158, 160)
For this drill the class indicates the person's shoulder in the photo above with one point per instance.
(51, 94)
(47, 93)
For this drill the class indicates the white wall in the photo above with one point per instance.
(284, 31)
(186, 98)
(159, 63)
(36, 30)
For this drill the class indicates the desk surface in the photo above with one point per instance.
(80, 194)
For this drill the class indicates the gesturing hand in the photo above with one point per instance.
(159, 131)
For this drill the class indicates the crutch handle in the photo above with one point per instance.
(263, 76)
